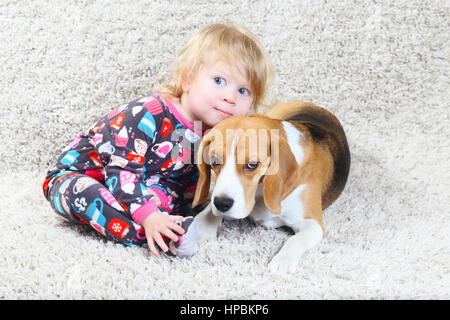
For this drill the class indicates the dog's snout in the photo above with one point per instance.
(223, 203)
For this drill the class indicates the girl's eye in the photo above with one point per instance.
(219, 80)
(244, 91)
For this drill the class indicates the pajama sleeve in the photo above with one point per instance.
(125, 140)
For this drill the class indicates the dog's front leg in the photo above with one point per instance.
(204, 226)
(287, 259)
(207, 225)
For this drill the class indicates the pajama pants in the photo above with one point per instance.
(82, 199)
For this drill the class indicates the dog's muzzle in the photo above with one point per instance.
(223, 204)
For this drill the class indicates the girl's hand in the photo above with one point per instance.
(156, 225)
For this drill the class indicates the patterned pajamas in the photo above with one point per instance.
(82, 199)
(136, 160)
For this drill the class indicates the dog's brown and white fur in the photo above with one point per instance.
(297, 166)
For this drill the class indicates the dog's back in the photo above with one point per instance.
(327, 131)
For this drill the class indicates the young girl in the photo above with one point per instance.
(132, 175)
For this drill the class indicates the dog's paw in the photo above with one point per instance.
(208, 225)
(283, 263)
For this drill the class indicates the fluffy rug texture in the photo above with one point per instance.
(382, 67)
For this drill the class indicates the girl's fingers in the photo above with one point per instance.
(159, 240)
(151, 246)
(176, 218)
(169, 234)
(178, 229)
(166, 228)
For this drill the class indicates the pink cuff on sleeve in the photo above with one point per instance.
(144, 211)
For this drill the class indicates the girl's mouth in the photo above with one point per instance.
(224, 113)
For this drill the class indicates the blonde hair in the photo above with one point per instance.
(233, 44)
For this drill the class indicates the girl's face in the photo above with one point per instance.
(218, 91)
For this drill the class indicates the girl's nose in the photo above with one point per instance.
(229, 96)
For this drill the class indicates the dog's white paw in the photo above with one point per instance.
(287, 259)
(284, 263)
(208, 225)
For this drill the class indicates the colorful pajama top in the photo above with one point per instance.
(143, 152)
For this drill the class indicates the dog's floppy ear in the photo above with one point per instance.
(204, 180)
(281, 175)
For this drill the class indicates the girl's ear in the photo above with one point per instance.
(186, 83)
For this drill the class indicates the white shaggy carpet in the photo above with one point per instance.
(382, 67)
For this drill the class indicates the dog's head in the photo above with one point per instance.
(243, 151)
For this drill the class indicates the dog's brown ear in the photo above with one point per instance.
(281, 175)
(204, 180)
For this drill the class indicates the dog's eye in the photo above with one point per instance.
(215, 162)
(252, 165)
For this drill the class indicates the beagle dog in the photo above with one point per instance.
(279, 169)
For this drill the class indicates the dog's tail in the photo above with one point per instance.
(325, 129)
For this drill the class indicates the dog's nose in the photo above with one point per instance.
(223, 204)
